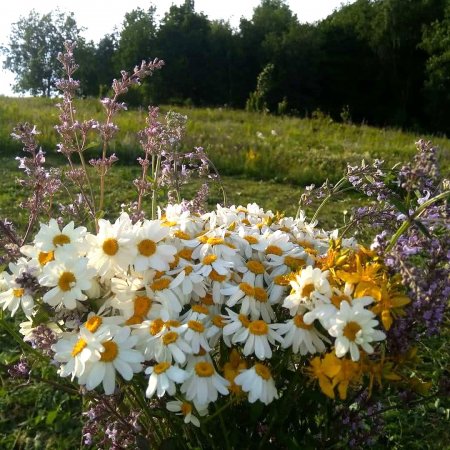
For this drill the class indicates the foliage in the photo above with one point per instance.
(386, 60)
(33, 46)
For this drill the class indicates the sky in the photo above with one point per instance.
(99, 17)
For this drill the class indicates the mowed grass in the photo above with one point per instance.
(254, 146)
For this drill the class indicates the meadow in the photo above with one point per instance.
(261, 158)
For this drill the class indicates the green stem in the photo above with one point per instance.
(218, 411)
(18, 338)
(417, 213)
(224, 432)
(333, 192)
(155, 172)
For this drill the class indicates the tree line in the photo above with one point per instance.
(383, 62)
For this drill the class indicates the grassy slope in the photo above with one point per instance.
(283, 149)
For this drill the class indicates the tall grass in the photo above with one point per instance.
(262, 147)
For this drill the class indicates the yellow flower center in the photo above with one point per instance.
(256, 267)
(110, 246)
(161, 284)
(204, 369)
(294, 263)
(134, 320)
(18, 292)
(185, 253)
(209, 259)
(299, 323)
(186, 408)
(93, 323)
(244, 320)
(181, 235)
(188, 270)
(161, 367)
(215, 241)
(337, 299)
(78, 347)
(202, 309)
(196, 326)
(45, 257)
(307, 289)
(66, 281)
(216, 277)
(170, 338)
(263, 371)
(111, 351)
(61, 239)
(173, 323)
(147, 247)
(261, 294)
(258, 327)
(218, 321)
(274, 250)
(281, 280)
(247, 289)
(156, 326)
(142, 305)
(305, 244)
(207, 300)
(351, 330)
(251, 239)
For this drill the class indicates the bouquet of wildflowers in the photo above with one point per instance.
(233, 327)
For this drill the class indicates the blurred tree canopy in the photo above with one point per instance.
(33, 47)
(384, 62)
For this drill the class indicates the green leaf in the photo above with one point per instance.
(91, 145)
(422, 228)
(51, 416)
(100, 214)
(400, 206)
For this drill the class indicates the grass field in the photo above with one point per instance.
(254, 146)
(262, 159)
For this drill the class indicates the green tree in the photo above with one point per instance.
(436, 42)
(104, 62)
(34, 44)
(184, 44)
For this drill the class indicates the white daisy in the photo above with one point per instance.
(259, 384)
(163, 290)
(172, 346)
(75, 350)
(301, 337)
(50, 237)
(310, 284)
(195, 336)
(288, 262)
(151, 252)
(258, 336)
(15, 293)
(163, 377)
(185, 409)
(68, 278)
(116, 353)
(112, 250)
(354, 327)
(203, 384)
(188, 280)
